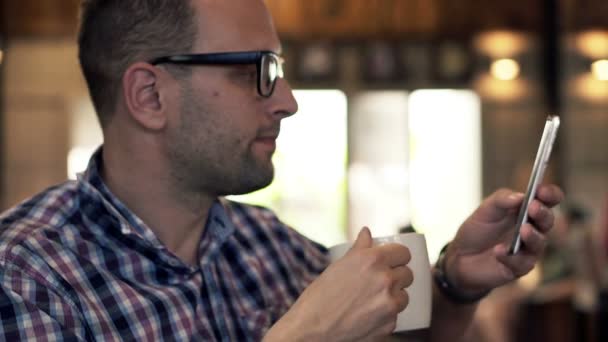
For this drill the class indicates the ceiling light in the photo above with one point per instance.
(600, 69)
(505, 69)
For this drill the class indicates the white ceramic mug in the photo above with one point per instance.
(417, 314)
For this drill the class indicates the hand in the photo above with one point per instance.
(478, 260)
(358, 297)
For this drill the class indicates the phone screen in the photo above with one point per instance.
(540, 164)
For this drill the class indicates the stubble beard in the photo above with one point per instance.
(252, 175)
(207, 160)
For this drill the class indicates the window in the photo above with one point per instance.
(309, 189)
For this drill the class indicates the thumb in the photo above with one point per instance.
(364, 239)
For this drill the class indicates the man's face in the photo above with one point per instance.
(223, 137)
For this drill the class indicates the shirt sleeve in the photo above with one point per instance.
(31, 311)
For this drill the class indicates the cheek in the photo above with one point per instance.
(229, 131)
(236, 116)
(233, 117)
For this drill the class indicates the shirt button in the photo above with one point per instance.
(173, 263)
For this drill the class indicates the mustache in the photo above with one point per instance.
(270, 131)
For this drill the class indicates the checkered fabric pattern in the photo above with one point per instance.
(76, 264)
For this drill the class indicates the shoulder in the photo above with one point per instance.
(26, 227)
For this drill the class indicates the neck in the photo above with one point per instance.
(176, 216)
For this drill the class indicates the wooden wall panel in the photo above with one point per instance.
(346, 18)
(468, 16)
(40, 18)
(354, 18)
(589, 14)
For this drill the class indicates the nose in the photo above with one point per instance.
(284, 103)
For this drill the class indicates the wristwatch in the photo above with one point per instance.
(447, 288)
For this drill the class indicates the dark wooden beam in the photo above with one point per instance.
(550, 37)
(340, 18)
(590, 14)
(468, 17)
(35, 18)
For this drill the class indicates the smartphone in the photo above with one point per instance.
(540, 164)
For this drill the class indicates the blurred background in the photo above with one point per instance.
(411, 111)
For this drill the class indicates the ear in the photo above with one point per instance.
(141, 89)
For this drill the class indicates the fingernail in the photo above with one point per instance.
(516, 196)
(501, 250)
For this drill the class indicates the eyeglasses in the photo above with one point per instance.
(269, 64)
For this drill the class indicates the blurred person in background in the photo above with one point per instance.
(602, 316)
(581, 254)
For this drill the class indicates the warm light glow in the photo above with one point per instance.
(600, 69)
(1, 56)
(588, 87)
(593, 44)
(501, 44)
(505, 69)
(504, 91)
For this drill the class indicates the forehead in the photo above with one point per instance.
(234, 25)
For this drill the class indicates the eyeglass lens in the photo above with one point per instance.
(271, 69)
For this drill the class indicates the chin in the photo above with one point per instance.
(251, 182)
(261, 184)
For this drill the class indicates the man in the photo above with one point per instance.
(143, 246)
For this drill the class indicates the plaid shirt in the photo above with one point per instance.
(76, 264)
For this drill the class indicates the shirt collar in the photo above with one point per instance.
(218, 228)
(92, 176)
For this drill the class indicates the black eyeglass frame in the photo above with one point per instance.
(230, 58)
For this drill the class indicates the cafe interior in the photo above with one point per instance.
(417, 110)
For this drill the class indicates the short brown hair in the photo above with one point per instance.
(116, 33)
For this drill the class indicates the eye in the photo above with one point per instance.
(251, 75)
(245, 73)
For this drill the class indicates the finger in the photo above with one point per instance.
(507, 199)
(534, 241)
(541, 215)
(515, 266)
(388, 325)
(402, 298)
(403, 277)
(394, 254)
(500, 202)
(550, 194)
(364, 239)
